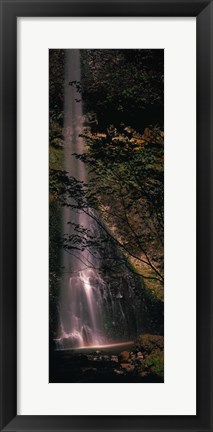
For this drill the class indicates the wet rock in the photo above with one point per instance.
(106, 358)
(118, 372)
(124, 356)
(130, 368)
(124, 365)
(142, 374)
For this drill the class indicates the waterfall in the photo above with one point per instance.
(81, 302)
(94, 311)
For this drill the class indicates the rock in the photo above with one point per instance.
(143, 374)
(114, 358)
(124, 356)
(124, 365)
(106, 358)
(140, 357)
(130, 368)
(118, 372)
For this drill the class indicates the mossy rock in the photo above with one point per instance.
(149, 344)
(155, 364)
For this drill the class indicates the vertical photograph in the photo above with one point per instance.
(106, 216)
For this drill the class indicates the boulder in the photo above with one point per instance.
(124, 356)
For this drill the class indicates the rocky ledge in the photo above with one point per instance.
(144, 363)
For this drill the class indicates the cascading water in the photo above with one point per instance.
(81, 302)
(94, 310)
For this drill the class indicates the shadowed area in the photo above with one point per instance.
(113, 363)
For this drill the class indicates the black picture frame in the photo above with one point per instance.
(10, 10)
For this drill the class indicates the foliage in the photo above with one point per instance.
(123, 86)
(125, 188)
(56, 85)
(150, 344)
(155, 364)
(56, 95)
(122, 93)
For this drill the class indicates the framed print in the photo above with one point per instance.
(106, 215)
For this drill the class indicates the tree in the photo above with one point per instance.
(124, 197)
(56, 96)
(123, 86)
(122, 93)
